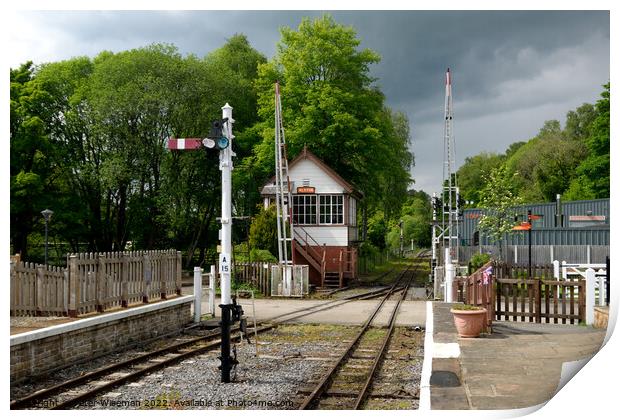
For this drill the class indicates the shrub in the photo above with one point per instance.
(262, 255)
(478, 260)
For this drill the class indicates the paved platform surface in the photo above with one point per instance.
(519, 365)
(412, 313)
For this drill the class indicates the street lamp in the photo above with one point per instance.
(47, 214)
(400, 224)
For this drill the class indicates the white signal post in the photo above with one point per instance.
(221, 136)
(226, 167)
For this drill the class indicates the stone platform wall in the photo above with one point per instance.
(42, 351)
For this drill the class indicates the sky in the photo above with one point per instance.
(511, 70)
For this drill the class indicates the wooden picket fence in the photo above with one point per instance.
(257, 274)
(513, 296)
(94, 282)
(38, 290)
(539, 298)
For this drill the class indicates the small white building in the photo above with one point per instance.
(324, 220)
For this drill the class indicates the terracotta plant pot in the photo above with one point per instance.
(469, 323)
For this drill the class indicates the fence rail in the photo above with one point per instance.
(510, 293)
(257, 274)
(477, 289)
(94, 282)
(541, 254)
(537, 300)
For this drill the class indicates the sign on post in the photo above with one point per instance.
(224, 263)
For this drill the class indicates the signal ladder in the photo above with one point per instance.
(284, 202)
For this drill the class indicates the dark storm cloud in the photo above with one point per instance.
(511, 70)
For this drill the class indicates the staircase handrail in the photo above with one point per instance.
(340, 269)
(307, 245)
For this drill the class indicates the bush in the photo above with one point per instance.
(478, 260)
(367, 249)
(263, 230)
(262, 255)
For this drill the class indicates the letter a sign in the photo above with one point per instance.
(224, 263)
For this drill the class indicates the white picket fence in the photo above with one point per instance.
(595, 276)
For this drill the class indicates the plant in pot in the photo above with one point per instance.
(469, 320)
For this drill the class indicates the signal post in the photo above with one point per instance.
(221, 137)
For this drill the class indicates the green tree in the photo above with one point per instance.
(594, 171)
(32, 169)
(545, 164)
(471, 175)
(331, 105)
(579, 122)
(498, 199)
(263, 230)
(377, 229)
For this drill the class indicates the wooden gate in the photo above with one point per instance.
(509, 295)
(539, 299)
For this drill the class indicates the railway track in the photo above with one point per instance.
(347, 384)
(72, 392)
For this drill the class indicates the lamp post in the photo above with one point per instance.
(47, 214)
(400, 224)
(529, 244)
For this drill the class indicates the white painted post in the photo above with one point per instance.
(197, 293)
(226, 168)
(551, 252)
(212, 290)
(564, 275)
(601, 287)
(556, 269)
(449, 277)
(589, 254)
(516, 255)
(590, 287)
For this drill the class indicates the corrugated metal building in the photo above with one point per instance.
(581, 223)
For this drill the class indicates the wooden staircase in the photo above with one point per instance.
(315, 254)
(311, 250)
(331, 280)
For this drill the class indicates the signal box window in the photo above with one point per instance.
(304, 209)
(331, 209)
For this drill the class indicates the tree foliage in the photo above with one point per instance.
(331, 105)
(88, 140)
(263, 230)
(498, 199)
(573, 161)
(416, 219)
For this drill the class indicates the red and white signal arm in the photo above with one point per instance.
(184, 144)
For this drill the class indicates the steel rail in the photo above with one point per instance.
(19, 403)
(28, 400)
(364, 392)
(156, 366)
(327, 379)
(334, 304)
(141, 372)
